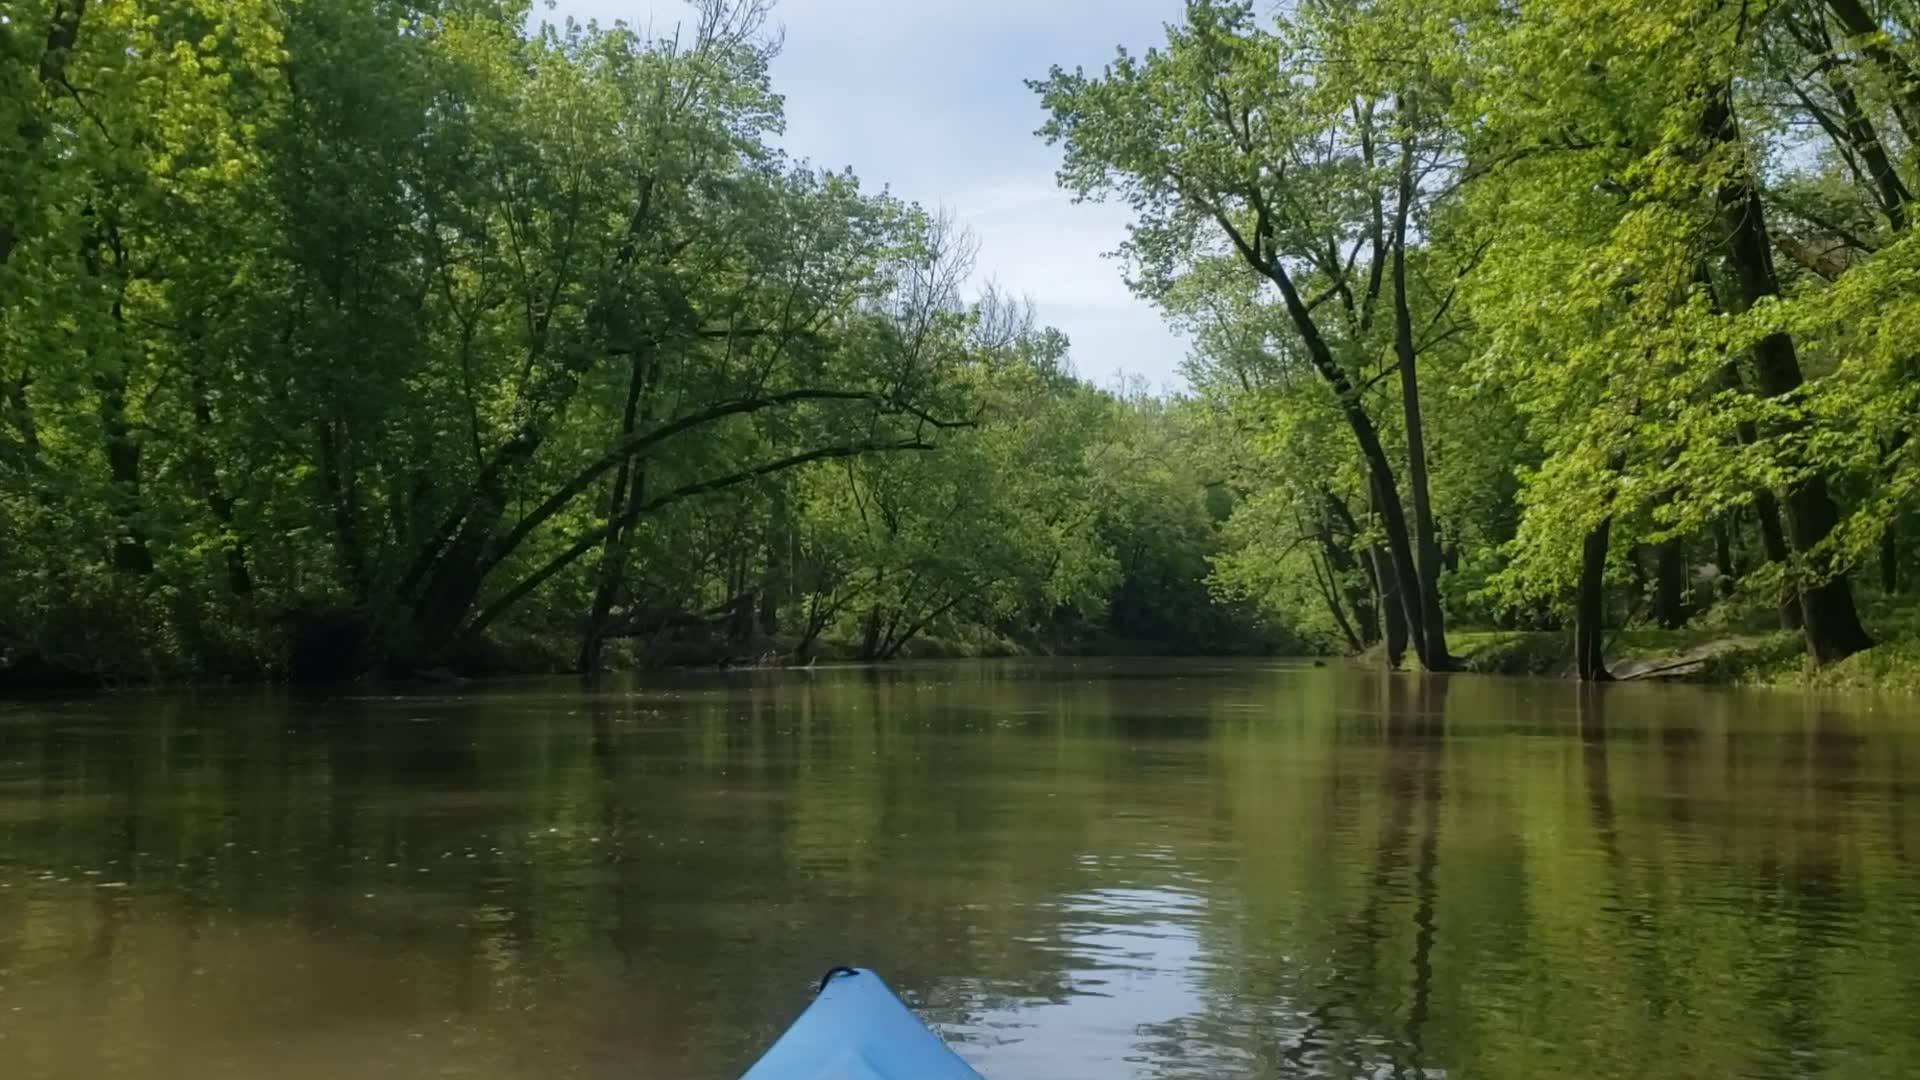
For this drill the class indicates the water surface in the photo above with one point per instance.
(1095, 870)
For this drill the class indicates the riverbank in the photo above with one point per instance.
(1740, 656)
(330, 651)
(1714, 652)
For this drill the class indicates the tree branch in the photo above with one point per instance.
(644, 441)
(593, 539)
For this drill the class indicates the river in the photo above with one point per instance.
(1099, 870)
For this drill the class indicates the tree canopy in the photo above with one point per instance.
(388, 335)
(1582, 283)
(355, 335)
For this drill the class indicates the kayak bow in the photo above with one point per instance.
(856, 1029)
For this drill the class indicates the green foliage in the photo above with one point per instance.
(1659, 270)
(351, 334)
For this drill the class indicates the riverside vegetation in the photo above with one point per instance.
(350, 336)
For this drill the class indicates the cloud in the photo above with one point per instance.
(1038, 242)
(929, 100)
(1048, 249)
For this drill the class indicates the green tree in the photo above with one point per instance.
(1231, 142)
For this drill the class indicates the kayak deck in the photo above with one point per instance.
(857, 1029)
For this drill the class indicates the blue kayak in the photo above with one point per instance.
(856, 1029)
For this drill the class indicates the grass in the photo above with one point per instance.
(1511, 652)
(1892, 666)
(1744, 651)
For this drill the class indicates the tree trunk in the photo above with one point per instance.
(1366, 617)
(1393, 612)
(1887, 184)
(1773, 541)
(1347, 399)
(1727, 576)
(1389, 620)
(896, 643)
(130, 552)
(337, 482)
(1345, 570)
(1832, 623)
(445, 578)
(1867, 33)
(1827, 612)
(444, 582)
(742, 616)
(1432, 620)
(1330, 594)
(629, 487)
(1396, 616)
(819, 612)
(1853, 133)
(219, 503)
(776, 586)
(456, 569)
(1406, 576)
(870, 635)
(1590, 606)
(507, 599)
(1670, 584)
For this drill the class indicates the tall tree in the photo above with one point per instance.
(1218, 142)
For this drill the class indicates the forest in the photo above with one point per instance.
(395, 336)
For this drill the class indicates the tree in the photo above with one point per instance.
(1637, 121)
(1225, 145)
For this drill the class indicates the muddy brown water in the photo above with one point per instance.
(1073, 870)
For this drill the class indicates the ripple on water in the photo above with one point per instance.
(1131, 995)
(1265, 872)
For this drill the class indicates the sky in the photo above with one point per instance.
(926, 98)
